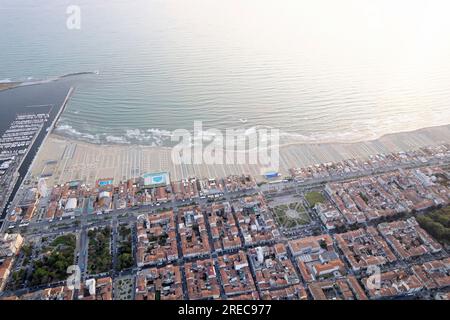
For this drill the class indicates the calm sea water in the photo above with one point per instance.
(318, 70)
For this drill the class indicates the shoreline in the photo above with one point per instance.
(9, 85)
(64, 159)
(286, 142)
(32, 82)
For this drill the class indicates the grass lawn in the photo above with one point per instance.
(314, 197)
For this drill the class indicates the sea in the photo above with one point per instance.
(318, 71)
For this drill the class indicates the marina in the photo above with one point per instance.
(28, 115)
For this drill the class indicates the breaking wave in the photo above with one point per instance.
(152, 137)
(163, 138)
(366, 131)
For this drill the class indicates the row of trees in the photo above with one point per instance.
(99, 250)
(125, 255)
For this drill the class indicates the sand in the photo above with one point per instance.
(63, 159)
(8, 85)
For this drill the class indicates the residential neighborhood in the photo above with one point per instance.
(234, 238)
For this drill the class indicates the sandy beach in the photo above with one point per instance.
(8, 85)
(62, 159)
